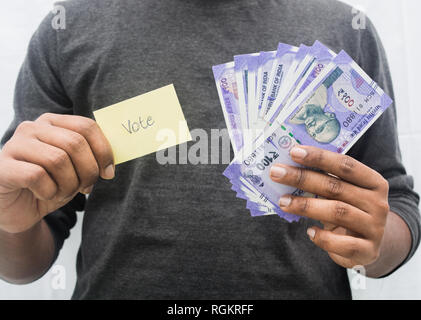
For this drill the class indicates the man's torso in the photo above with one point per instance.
(177, 230)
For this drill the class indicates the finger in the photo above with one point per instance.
(90, 130)
(340, 165)
(31, 176)
(322, 184)
(54, 160)
(353, 248)
(76, 147)
(328, 226)
(334, 212)
(344, 262)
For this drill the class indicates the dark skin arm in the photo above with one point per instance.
(26, 256)
(394, 248)
(359, 228)
(42, 167)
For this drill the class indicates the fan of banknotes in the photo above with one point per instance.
(274, 100)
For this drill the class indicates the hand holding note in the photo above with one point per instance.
(48, 161)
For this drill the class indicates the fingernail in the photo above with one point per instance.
(311, 233)
(284, 201)
(88, 190)
(298, 152)
(109, 172)
(278, 172)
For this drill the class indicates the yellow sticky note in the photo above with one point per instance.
(144, 124)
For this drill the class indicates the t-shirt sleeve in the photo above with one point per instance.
(379, 147)
(39, 90)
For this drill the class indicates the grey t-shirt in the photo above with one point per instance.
(178, 231)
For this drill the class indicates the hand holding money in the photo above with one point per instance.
(275, 101)
(355, 203)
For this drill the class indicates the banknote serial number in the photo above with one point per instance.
(348, 120)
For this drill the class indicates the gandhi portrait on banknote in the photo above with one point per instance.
(320, 125)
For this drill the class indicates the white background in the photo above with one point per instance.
(397, 22)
